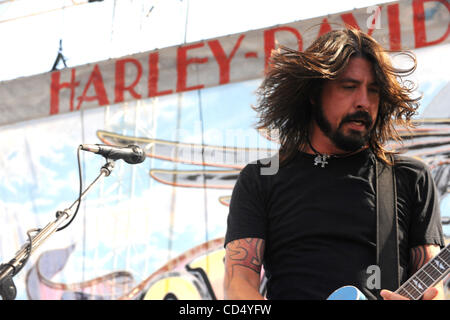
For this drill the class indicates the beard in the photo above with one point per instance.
(353, 140)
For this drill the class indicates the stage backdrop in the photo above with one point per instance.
(155, 230)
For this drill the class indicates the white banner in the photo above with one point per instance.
(239, 57)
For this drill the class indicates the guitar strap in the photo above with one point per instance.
(387, 239)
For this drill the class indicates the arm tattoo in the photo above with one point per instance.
(420, 255)
(246, 252)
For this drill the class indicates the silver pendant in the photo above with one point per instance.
(321, 159)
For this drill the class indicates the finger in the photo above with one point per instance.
(385, 294)
(389, 295)
(430, 294)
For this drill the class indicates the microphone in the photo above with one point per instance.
(132, 154)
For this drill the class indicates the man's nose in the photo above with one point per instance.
(362, 99)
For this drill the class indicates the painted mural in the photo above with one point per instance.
(155, 230)
(197, 273)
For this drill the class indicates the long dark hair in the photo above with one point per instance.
(294, 79)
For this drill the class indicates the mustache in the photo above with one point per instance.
(360, 115)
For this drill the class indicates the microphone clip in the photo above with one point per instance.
(108, 167)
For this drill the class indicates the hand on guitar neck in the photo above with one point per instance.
(419, 257)
(429, 267)
(430, 294)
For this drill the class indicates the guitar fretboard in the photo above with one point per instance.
(433, 271)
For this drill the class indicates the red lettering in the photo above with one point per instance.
(120, 86)
(182, 64)
(153, 76)
(269, 41)
(395, 39)
(222, 59)
(324, 27)
(56, 86)
(350, 21)
(420, 34)
(95, 79)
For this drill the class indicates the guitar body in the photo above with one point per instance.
(347, 293)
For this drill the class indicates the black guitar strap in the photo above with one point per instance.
(387, 239)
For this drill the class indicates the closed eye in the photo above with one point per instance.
(374, 89)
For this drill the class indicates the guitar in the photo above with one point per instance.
(427, 276)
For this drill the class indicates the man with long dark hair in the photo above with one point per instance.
(312, 224)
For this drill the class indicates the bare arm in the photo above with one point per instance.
(243, 259)
(419, 256)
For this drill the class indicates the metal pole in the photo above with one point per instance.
(10, 269)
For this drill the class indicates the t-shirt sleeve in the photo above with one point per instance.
(426, 226)
(247, 217)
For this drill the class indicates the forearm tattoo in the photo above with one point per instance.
(421, 255)
(246, 253)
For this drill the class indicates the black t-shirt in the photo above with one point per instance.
(319, 223)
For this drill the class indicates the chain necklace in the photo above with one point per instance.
(321, 158)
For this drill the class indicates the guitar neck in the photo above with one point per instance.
(427, 276)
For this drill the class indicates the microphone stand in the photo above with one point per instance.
(8, 270)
